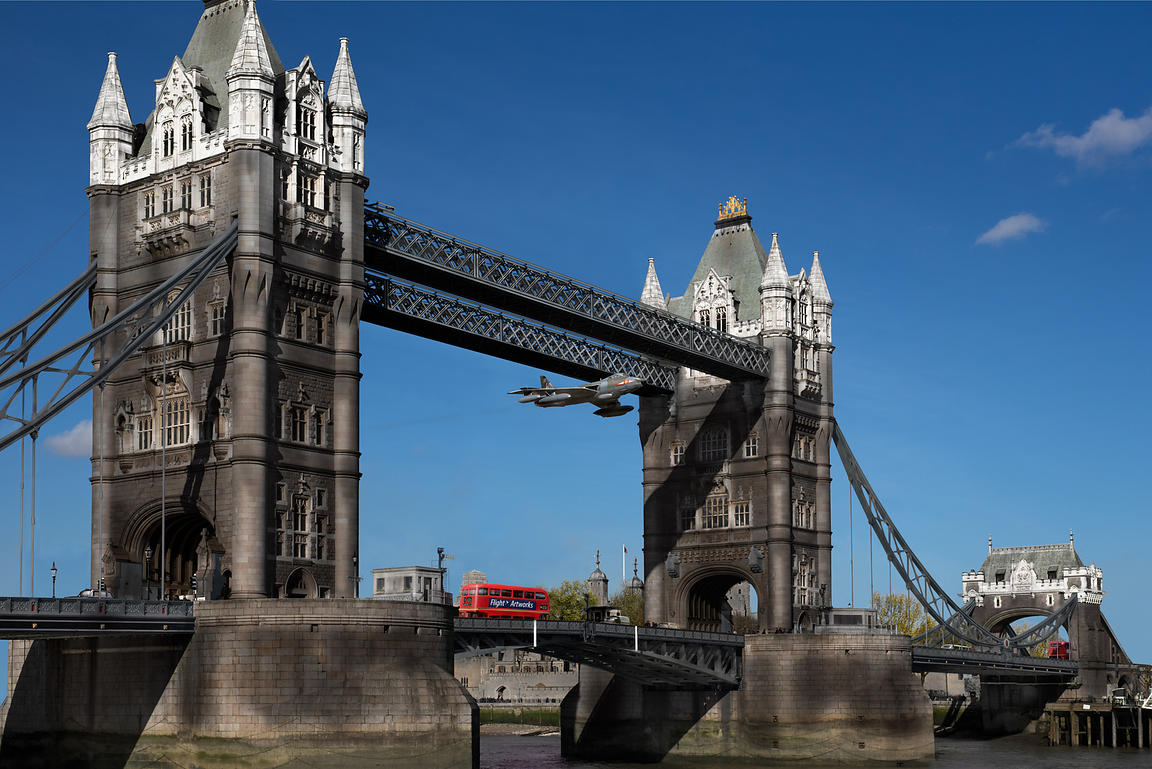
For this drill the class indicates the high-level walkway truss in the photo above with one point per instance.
(406, 249)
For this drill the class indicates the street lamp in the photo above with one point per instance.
(144, 574)
(54, 570)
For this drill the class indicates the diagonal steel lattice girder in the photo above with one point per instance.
(416, 310)
(938, 604)
(658, 658)
(412, 251)
(59, 378)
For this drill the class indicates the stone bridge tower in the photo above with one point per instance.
(238, 426)
(1015, 583)
(736, 474)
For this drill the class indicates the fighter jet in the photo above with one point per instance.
(605, 394)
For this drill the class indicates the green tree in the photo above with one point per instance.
(902, 611)
(566, 601)
(1036, 650)
(631, 604)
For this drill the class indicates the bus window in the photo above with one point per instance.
(540, 596)
(483, 591)
(506, 593)
(517, 593)
(467, 601)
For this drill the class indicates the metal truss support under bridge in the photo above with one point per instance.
(659, 658)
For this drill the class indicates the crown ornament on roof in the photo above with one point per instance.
(733, 208)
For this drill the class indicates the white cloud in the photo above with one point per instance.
(1016, 226)
(1110, 135)
(77, 442)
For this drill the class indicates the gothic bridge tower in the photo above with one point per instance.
(238, 426)
(736, 474)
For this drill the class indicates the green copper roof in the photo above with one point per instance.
(733, 251)
(211, 49)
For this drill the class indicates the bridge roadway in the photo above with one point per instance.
(657, 657)
(406, 249)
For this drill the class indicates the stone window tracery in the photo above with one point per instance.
(149, 204)
(752, 445)
(179, 326)
(186, 193)
(721, 319)
(714, 444)
(166, 199)
(687, 513)
(742, 514)
(144, 432)
(205, 190)
(185, 133)
(169, 142)
(176, 416)
(715, 511)
(308, 123)
(216, 312)
(677, 453)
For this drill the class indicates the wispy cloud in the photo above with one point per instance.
(1110, 136)
(1012, 228)
(77, 442)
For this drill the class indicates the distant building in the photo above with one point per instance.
(517, 676)
(409, 583)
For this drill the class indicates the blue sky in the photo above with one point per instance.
(976, 177)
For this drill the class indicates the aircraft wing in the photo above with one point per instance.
(583, 389)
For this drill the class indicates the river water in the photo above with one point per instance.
(1020, 752)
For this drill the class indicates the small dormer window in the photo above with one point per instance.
(706, 317)
(308, 123)
(185, 134)
(169, 143)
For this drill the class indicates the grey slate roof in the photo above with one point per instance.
(1044, 558)
(111, 106)
(211, 49)
(343, 92)
(735, 251)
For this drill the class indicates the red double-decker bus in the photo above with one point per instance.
(483, 599)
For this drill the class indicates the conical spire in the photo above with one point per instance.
(111, 106)
(251, 56)
(652, 294)
(343, 92)
(775, 273)
(816, 278)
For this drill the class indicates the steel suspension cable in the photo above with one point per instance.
(22, 413)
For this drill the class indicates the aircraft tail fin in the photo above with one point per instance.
(544, 383)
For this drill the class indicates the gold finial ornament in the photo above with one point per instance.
(733, 208)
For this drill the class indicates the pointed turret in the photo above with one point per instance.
(250, 83)
(821, 301)
(251, 55)
(349, 117)
(343, 92)
(652, 294)
(598, 584)
(775, 272)
(816, 278)
(775, 291)
(111, 107)
(110, 129)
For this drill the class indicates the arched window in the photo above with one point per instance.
(706, 317)
(169, 142)
(714, 444)
(179, 326)
(185, 133)
(721, 319)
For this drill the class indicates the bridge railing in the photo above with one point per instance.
(88, 607)
(417, 252)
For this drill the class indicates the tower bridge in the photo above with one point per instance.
(233, 260)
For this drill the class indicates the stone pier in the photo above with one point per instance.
(835, 697)
(261, 683)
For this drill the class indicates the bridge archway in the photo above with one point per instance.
(185, 528)
(301, 584)
(706, 602)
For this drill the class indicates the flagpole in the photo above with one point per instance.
(623, 566)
